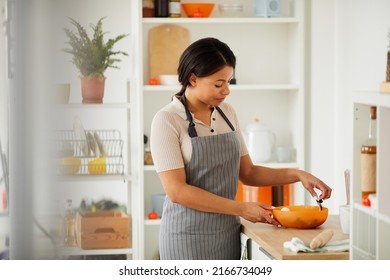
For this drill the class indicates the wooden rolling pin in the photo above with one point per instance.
(321, 239)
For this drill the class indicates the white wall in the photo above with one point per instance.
(349, 46)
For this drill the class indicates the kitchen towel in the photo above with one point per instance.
(297, 245)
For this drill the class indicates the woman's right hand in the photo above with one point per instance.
(257, 212)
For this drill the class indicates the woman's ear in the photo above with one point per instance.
(192, 79)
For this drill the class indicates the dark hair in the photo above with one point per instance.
(203, 58)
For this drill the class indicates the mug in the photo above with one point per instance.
(344, 218)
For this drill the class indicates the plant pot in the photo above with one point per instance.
(92, 89)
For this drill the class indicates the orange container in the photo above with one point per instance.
(261, 194)
(198, 9)
(300, 216)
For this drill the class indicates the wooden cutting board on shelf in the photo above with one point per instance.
(166, 44)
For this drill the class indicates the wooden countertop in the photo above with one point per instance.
(271, 239)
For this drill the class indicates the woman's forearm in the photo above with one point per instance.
(264, 176)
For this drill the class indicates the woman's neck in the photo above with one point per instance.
(195, 105)
(201, 111)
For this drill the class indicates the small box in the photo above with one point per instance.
(102, 230)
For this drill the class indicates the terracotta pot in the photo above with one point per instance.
(92, 89)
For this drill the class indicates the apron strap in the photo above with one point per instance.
(225, 118)
(191, 127)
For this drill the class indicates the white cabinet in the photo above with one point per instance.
(113, 179)
(270, 86)
(371, 225)
(256, 252)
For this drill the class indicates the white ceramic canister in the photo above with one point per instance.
(260, 141)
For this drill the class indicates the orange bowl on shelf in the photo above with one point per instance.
(198, 9)
(300, 216)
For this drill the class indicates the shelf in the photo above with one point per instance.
(148, 222)
(372, 98)
(173, 89)
(85, 178)
(94, 106)
(274, 86)
(365, 209)
(293, 165)
(76, 251)
(149, 168)
(224, 20)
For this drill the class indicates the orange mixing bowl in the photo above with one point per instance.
(198, 9)
(300, 216)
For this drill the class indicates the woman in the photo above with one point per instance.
(199, 153)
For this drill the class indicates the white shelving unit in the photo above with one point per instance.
(370, 226)
(270, 86)
(84, 184)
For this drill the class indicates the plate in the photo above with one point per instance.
(80, 134)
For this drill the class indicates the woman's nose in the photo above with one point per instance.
(226, 90)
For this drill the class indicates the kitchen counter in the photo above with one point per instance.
(271, 239)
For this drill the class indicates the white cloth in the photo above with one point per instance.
(297, 245)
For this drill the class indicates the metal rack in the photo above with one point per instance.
(79, 157)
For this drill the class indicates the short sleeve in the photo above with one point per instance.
(165, 142)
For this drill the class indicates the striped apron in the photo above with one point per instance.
(188, 234)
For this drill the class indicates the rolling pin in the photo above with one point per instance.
(321, 239)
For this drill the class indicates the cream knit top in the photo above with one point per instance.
(169, 141)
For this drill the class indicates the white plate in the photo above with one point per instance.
(80, 134)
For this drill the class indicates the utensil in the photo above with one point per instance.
(319, 201)
(347, 175)
(166, 44)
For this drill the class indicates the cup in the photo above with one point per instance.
(62, 92)
(284, 154)
(344, 218)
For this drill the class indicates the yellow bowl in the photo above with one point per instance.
(69, 165)
(97, 166)
(198, 9)
(300, 216)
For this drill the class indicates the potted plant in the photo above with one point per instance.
(92, 56)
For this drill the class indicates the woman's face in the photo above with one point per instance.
(212, 90)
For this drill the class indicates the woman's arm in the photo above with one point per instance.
(254, 175)
(180, 192)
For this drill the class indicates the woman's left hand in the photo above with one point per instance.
(311, 183)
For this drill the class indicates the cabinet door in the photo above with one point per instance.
(256, 252)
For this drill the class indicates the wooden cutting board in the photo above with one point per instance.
(166, 44)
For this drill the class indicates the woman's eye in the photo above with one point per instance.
(218, 86)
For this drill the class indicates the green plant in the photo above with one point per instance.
(92, 56)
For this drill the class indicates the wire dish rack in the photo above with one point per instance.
(98, 152)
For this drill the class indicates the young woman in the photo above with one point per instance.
(199, 153)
